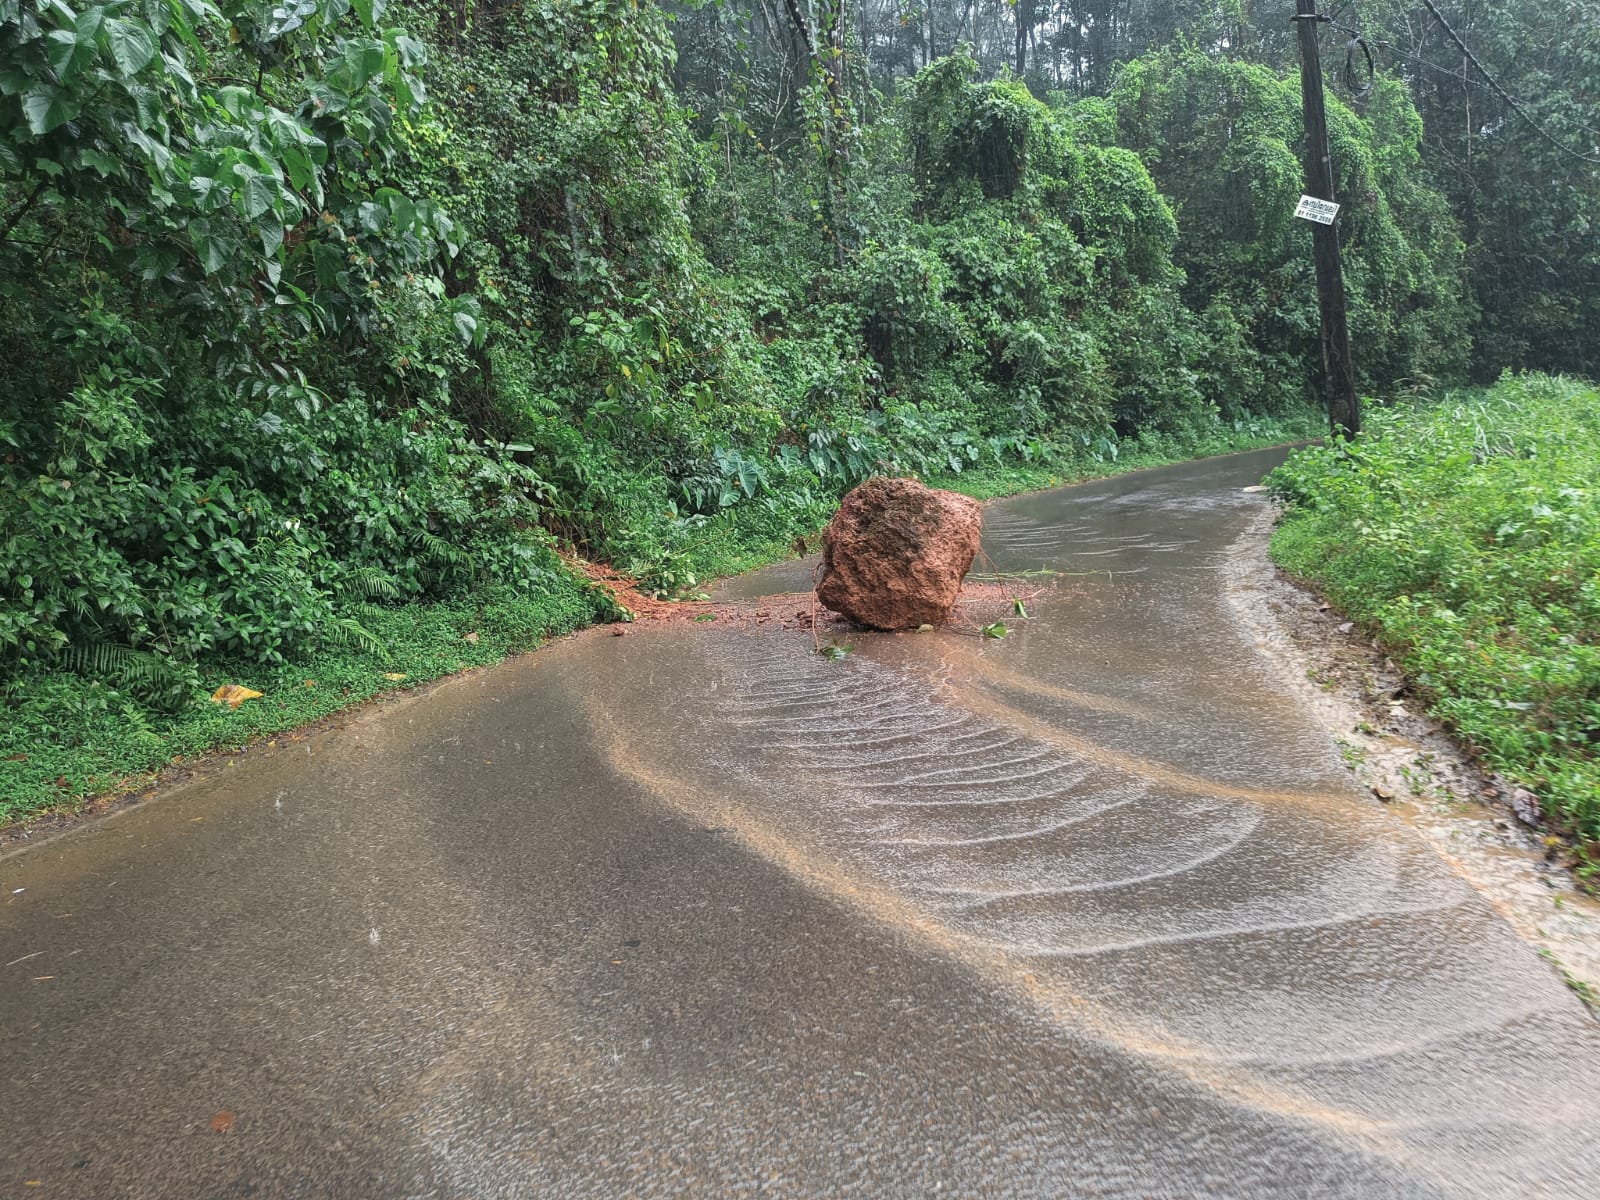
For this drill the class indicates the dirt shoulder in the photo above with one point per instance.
(1405, 760)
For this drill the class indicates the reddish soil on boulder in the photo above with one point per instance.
(895, 553)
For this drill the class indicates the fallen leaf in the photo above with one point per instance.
(222, 1122)
(311, 683)
(16, 758)
(233, 695)
(397, 676)
(472, 638)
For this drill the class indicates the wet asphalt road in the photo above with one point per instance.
(1091, 911)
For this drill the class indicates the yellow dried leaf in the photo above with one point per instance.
(233, 695)
(397, 676)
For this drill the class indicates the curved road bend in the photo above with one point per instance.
(1091, 911)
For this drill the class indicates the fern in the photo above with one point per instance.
(346, 631)
(370, 583)
(442, 550)
(277, 580)
(156, 679)
(109, 662)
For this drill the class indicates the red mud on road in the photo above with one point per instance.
(982, 603)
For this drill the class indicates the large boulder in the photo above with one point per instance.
(894, 554)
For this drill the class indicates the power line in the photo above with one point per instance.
(1467, 81)
(1505, 95)
(1395, 52)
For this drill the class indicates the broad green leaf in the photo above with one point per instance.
(298, 166)
(158, 16)
(48, 107)
(131, 46)
(87, 25)
(68, 55)
(329, 262)
(257, 193)
(104, 164)
(363, 60)
(150, 105)
(179, 70)
(159, 156)
(410, 52)
(14, 81)
(211, 248)
(404, 213)
(270, 230)
(235, 100)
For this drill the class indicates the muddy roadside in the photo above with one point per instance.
(1486, 829)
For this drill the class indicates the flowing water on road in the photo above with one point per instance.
(1093, 910)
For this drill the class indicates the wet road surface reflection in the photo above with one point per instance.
(1090, 911)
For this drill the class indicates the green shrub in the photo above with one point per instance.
(1467, 534)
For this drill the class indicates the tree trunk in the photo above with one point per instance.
(1024, 27)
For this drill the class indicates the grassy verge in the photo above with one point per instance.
(67, 739)
(1465, 533)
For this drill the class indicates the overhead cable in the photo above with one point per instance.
(1494, 85)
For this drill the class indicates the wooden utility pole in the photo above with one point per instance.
(1338, 372)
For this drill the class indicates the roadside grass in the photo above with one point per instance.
(67, 739)
(1465, 534)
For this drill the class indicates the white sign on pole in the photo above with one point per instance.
(1321, 211)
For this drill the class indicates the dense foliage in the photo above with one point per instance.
(225, 410)
(1225, 137)
(1467, 535)
(316, 309)
(1519, 195)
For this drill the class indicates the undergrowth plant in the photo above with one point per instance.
(1466, 534)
